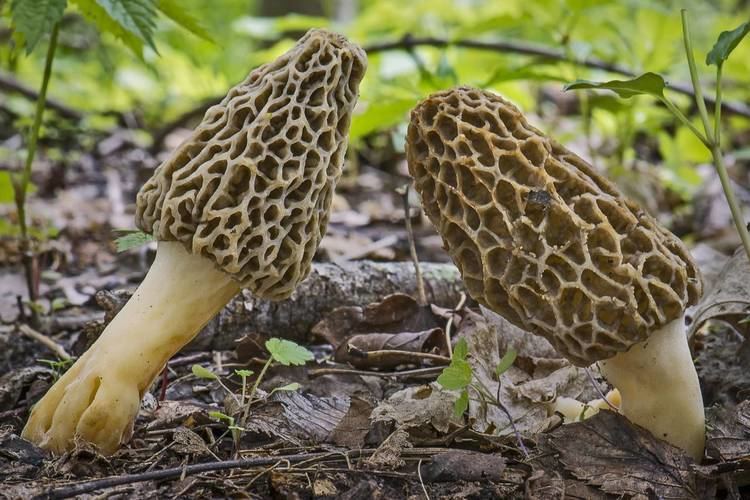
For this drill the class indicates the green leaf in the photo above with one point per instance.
(91, 10)
(287, 352)
(288, 387)
(648, 84)
(35, 18)
(461, 404)
(726, 43)
(131, 239)
(380, 115)
(461, 349)
(6, 188)
(244, 373)
(506, 362)
(203, 373)
(175, 10)
(456, 375)
(136, 16)
(221, 416)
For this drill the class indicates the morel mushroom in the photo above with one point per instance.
(242, 203)
(547, 242)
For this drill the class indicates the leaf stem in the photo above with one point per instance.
(21, 185)
(717, 107)
(685, 121)
(714, 137)
(694, 72)
(250, 396)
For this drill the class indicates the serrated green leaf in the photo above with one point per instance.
(647, 83)
(35, 18)
(132, 239)
(461, 404)
(506, 362)
(203, 373)
(456, 375)
(175, 10)
(726, 43)
(136, 16)
(95, 13)
(461, 349)
(244, 373)
(287, 352)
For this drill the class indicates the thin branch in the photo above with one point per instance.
(433, 371)
(409, 42)
(422, 296)
(176, 472)
(50, 344)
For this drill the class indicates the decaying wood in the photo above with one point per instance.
(329, 286)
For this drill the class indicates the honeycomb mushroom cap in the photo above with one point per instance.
(252, 186)
(538, 235)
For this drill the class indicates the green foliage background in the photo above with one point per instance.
(176, 69)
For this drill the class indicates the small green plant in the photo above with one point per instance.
(58, 366)
(132, 21)
(281, 351)
(459, 376)
(654, 85)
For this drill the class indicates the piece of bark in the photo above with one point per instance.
(329, 286)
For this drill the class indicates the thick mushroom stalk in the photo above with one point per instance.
(98, 398)
(242, 203)
(659, 388)
(542, 239)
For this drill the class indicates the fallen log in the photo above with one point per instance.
(329, 286)
(355, 283)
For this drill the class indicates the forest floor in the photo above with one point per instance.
(361, 425)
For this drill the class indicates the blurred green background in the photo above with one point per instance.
(98, 74)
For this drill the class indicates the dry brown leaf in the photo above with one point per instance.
(622, 459)
(729, 299)
(728, 436)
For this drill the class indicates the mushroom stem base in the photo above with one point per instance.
(660, 389)
(98, 398)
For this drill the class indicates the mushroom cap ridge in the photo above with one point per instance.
(538, 235)
(251, 187)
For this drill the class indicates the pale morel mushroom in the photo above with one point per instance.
(544, 240)
(242, 203)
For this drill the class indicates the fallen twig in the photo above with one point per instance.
(50, 344)
(433, 370)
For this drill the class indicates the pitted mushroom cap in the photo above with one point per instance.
(538, 235)
(252, 186)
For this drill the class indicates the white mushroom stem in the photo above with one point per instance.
(98, 398)
(660, 389)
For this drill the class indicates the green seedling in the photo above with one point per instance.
(58, 366)
(281, 351)
(459, 376)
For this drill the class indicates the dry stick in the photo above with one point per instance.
(50, 344)
(413, 250)
(407, 356)
(433, 370)
(408, 42)
(175, 472)
(599, 391)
